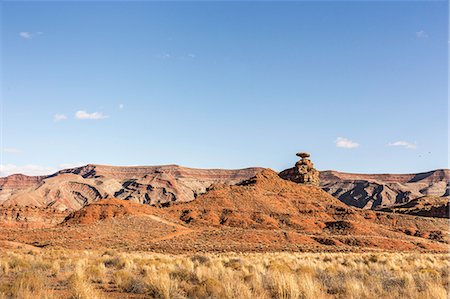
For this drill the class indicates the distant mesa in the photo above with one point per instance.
(71, 189)
(303, 172)
(165, 185)
(263, 213)
(373, 191)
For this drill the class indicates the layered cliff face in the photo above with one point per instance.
(379, 191)
(370, 191)
(17, 183)
(427, 206)
(268, 202)
(73, 188)
(30, 217)
(263, 213)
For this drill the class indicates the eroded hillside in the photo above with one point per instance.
(71, 189)
(264, 213)
(370, 191)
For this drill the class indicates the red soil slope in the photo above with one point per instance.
(106, 209)
(265, 213)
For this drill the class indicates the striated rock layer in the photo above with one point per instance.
(73, 188)
(30, 217)
(268, 202)
(264, 213)
(370, 191)
(17, 183)
(427, 206)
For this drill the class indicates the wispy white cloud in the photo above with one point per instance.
(421, 34)
(170, 56)
(345, 143)
(25, 34)
(81, 114)
(59, 117)
(29, 35)
(163, 56)
(11, 150)
(29, 169)
(404, 144)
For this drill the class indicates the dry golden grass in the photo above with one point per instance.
(88, 274)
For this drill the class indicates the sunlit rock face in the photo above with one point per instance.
(303, 172)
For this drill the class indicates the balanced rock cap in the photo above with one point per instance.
(303, 155)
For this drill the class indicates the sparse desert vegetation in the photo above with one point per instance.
(200, 149)
(91, 274)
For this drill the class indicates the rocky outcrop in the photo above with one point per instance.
(371, 191)
(71, 189)
(20, 181)
(16, 183)
(264, 201)
(105, 209)
(156, 185)
(426, 206)
(30, 217)
(267, 202)
(303, 172)
(262, 213)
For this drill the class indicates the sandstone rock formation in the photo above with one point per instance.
(427, 206)
(263, 213)
(303, 172)
(265, 201)
(106, 209)
(371, 191)
(74, 188)
(71, 189)
(30, 217)
(17, 183)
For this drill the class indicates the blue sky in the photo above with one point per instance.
(360, 85)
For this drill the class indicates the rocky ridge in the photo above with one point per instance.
(71, 189)
(426, 206)
(263, 213)
(371, 191)
(30, 217)
(17, 183)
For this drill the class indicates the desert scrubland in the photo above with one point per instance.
(63, 273)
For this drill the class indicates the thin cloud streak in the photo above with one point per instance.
(59, 117)
(404, 144)
(82, 114)
(26, 35)
(345, 143)
(29, 35)
(421, 34)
